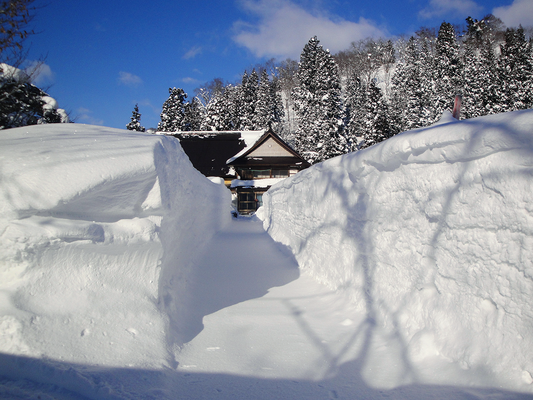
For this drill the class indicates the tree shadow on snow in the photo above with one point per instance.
(24, 377)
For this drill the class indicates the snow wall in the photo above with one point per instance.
(97, 228)
(431, 233)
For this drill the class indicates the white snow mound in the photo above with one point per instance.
(431, 235)
(92, 220)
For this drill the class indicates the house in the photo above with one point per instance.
(259, 166)
(249, 161)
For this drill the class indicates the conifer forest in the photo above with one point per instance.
(325, 105)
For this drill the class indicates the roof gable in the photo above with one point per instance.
(270, 148)
(267, 146)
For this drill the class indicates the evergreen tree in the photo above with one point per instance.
(482, 86)
(263, 108)
(376, 123)
(221, 113)
(448, 70)
(269, 107)
(516, 70)
(173, 112)
(246, 104)
(354, 113)
(317, 103)
(135, 123)
(276, 101)
(412, 85)
(192, 119)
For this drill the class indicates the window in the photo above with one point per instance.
(280, 173)
(261, 173)
(247, 202)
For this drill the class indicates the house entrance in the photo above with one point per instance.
(248, 200)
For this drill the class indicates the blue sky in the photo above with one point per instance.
(103, 57)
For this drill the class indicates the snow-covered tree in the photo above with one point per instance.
(269, 107)
(482, 92)
(22, 103)
(412, 86)
(173, 111)
(135, 123)
(516, 70)
(447, 69)
(222, 111)
(193, 114)
(354, 113)
(367, 113)
(246, 102)
(317, 104)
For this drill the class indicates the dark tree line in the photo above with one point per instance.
(326, 105)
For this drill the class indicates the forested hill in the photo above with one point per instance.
(326, 105)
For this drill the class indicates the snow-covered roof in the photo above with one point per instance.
(250, 139)
(256, 183)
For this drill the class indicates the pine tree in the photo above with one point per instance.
(222, 111)
(412, 87)
(135, 123)
(482, 85)
(448, 70)
(516, 70)
(192, 118)
(318, 106)
(263, 108)
(247, 101)
(355, 111)
(269, 107)
(173, 111)
(377, 122)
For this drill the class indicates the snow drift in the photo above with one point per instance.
(94, 224)
(430, 233)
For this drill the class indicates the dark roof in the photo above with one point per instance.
(208, 151)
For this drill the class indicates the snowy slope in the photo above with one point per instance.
(430, 234)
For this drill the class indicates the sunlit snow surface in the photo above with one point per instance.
(402, 271)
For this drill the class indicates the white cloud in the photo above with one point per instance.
(84, 115)
(284, 28)
(193, 52)
(40, 72)
(190, 80)
(440, 8)
(520, 12)
(128, 79)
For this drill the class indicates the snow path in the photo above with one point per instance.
(269, 333)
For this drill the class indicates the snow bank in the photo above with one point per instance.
(431, 235)
(97, 226)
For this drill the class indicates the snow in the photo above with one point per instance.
(13, 72)
(258, 183)
(401, 271)
(430, 236)
(250, 139)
